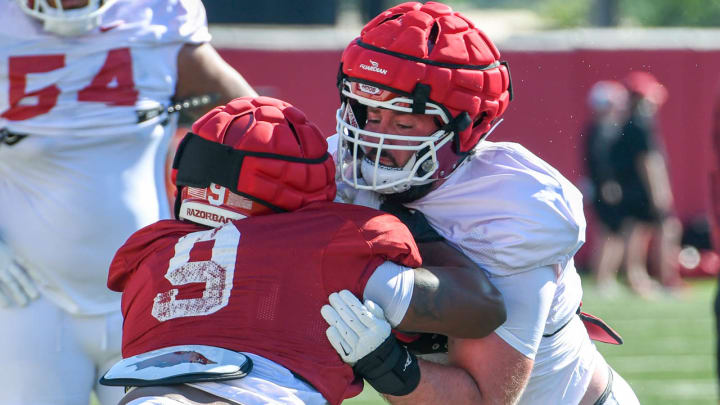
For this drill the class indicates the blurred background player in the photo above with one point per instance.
(421, 89)
(714, 215)
(638, 157)
(608, 103)
(631, 192)
(84, 88)
(240, 271)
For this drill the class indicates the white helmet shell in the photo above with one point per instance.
(71, 22)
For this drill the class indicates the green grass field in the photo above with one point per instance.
(668, 355)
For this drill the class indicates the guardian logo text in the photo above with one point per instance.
(373, 67)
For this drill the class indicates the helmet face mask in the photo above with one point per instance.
(360, 151)
(70, 21)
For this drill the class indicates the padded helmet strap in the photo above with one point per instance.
(197, 160)
(200, 162)
(420, 95)
(456, 125)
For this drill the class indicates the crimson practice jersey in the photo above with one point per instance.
(256, 284)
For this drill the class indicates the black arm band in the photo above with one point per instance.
(416, 222)
(390, 369)
(428, 343)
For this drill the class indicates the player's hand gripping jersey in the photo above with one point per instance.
(256, 285)
(89, 170)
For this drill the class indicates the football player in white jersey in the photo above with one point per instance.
(85, 87)
(421, 89)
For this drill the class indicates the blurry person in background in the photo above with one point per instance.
(647, 201)
(629, 185)
(715, 215)
(85, 87)
(608, 103)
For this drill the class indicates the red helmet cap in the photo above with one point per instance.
(646, 85)
(435, 55)
(263, 151)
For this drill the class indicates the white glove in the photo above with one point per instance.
(355, 329)
(16, 286)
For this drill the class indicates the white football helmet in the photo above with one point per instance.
(70, 22)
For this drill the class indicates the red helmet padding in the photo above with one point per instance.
(405, 29)
(268, 125)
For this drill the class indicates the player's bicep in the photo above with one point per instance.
(453, 290)
(391, 287)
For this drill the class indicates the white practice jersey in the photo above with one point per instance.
(521, 221)
(95, 84)
(90, 172)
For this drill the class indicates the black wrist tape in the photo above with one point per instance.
(390, 369)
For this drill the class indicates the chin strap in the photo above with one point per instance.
(490, 131)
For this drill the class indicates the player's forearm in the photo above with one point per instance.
(441, 384)
(454, 298)
(653, 173)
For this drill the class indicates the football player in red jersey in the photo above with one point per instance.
(85, 92)
(421, 90)
(238, 281)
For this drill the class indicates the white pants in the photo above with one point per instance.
(52, 358)
(155, 401)
(621, 393)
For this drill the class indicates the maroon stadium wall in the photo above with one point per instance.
(549, 110)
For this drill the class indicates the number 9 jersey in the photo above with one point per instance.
(256, 285)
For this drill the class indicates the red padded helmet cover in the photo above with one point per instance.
(433, 45)
(272, 126)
